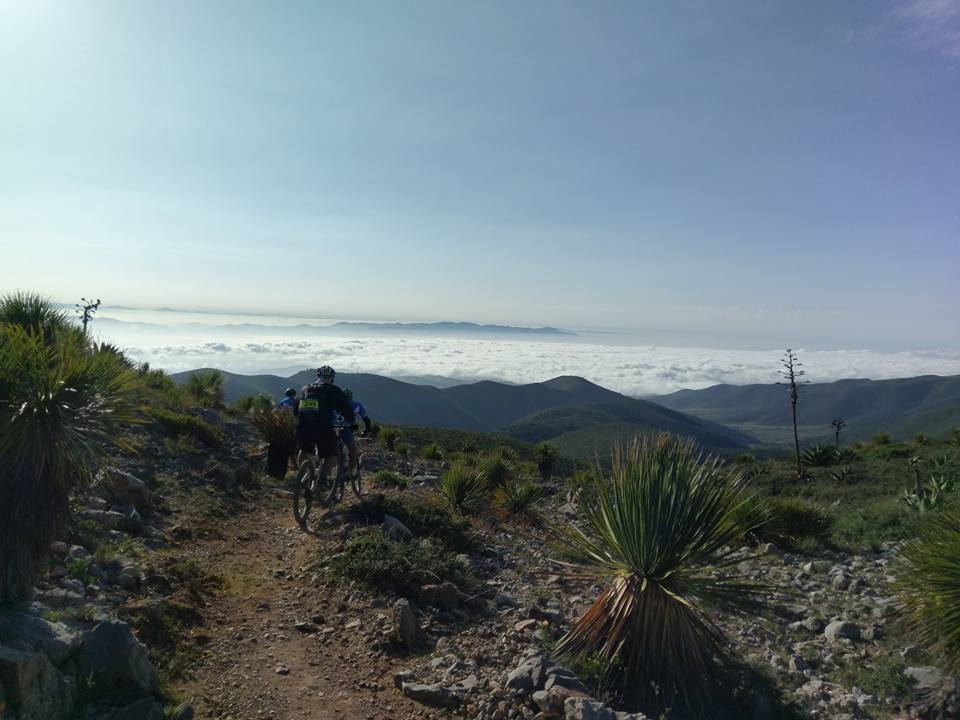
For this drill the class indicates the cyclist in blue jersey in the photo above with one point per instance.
(346, 432)
(289, 400)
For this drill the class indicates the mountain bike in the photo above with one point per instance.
(313, 485)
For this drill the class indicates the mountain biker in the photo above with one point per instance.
(289, 400)
(314, 407)
(346, 432)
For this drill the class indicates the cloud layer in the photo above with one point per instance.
(634, 370)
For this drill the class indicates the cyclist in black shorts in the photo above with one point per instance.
(314, 409)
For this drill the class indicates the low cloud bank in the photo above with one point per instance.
(634, 370)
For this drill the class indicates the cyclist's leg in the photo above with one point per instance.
(327, 450)
(351, 443)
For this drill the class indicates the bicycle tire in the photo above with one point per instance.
(303, 493)
(356, 481)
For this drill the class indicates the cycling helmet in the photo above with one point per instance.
(348, 393)
(290, 392)
(326, 374)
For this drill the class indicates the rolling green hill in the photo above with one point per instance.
(534, 412)
(905, 406)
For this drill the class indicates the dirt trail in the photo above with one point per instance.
(259, 663)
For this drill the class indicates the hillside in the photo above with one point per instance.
(523, 411)
(584, 432)
(904, 406)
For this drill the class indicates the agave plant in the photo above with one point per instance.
(820, 455)
(61, 405)
(928, 578)
(658, 532)
(463, 488)
(206, 389)
(928, 496)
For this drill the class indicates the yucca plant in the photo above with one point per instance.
(518, 498)
(61, 405)
(496, 470)
(279, 438)
(928, 586)
(206, 389)
(34, 313)
(658, 532)
(545, 458)
(389, 437)
(463, 488)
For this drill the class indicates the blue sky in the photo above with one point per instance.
(761, 171)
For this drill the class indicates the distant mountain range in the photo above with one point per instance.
(582, 419)
(902, 407)
(450, 327)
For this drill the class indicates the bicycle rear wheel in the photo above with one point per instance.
(356, 480)
(303, 493)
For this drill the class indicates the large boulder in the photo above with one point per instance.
(33, 688)
(841, 629)
(121, 488)
(118, 661)
(54, 639)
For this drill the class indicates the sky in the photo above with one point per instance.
(749, 174)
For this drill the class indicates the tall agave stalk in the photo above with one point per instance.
(657, 532)
(61, 405)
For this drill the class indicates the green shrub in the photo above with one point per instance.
(928, 578)
(180, 424)
(656, 532)
(745, 458)
(881, 439)
(388, 436)
(253, 404)
(463, 488)
(373, 558)
(431, 452)
(792, 520)
(61, 407)
(387, 478)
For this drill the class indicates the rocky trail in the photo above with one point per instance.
(279, 645)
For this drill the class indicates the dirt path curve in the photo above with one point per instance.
(279, 646)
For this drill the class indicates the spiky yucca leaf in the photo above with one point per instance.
(61, 405)
(496, 469)
(928, 586)
(463, 488)
(657, 530)
(34, 313)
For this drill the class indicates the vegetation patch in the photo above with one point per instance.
(423, 519)
(373, 558)
(180, 424)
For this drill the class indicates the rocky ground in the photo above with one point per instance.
(203, 599)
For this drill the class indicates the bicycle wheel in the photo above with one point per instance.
(303, 493)
(356, 480)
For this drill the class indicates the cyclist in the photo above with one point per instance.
(314, 407)
(346, 432)
(289, 400)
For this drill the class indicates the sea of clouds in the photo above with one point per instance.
(628, 368)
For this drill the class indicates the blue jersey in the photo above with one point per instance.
(358, 410)
(287, 402)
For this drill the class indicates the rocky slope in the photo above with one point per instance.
(187, 588)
